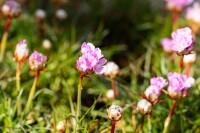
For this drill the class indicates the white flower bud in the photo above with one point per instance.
(46, 44)
(112, 70)
(144, 106)
(61, 126)
(110, 94)
(21, 51)
(40, 14)
(61, 14)
(115, 113)
(189, 58)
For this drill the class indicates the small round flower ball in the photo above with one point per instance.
(37, 61)
(21, 53)
(110, 94)
(189, 58)
(61, 126)
(61, 14)
(46, 44)
(11, 9)
(115, 113)
(144, 106)
(112, 69)
(40, 14)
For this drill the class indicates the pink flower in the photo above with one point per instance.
(21, 51)
(37, 61)
(154, 90)
(166, 44)
(178, 3)
(91, 59)
(182, 41)
(193, 13)
(178, 85)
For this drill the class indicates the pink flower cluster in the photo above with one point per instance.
(91, 60)
(21, 51)
(178, 3)
(182, 41)
(179, 82)
(193, 13)
(154, 90)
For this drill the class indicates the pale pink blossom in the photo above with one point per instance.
(91, 59)
(166, 44)
(144, 107)
(182, 40)
(37, 61)
(154, 90)
(178, 85)
(21, 51)
(178, 3)
(11, 9)
(193, 13)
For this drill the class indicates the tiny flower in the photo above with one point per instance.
(154, 90)
(46, 44)
(112, 69)
(177, 5)
(190, 58)
(61, 14)
(91, 60)
(144, 107)
(110, 94)
(178, 85)
(193, 12)
(37, 61)
(61, 126)
(40, 14)
(21, 51)
(11, 9)
(166, 44)
(182, 41)
(115, 113)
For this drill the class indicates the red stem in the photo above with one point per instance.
(188, 69)
(181, 62)
(37, 74)
(114, 87)
(8, 23)
(175, 17)
(172, 109)
(113, 127)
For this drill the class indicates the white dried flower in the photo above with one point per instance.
(40, 14)
(21, 51)
(110, 94)
(115, 113)
(46, 44)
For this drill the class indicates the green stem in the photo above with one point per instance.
(149, 123)
(18, 87)
(78, 109)
(140, 127)
(32, 92)
(168, 119)
(4, 38)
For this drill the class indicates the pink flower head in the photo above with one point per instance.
(182, 41)
(21, 51)
(153, 91)
(178, 85)
(177, 4)
(11, 9)
(193, 13)
(166, 44)
(37, 61)
(91, 59)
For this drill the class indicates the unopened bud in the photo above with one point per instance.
(115, 113)
(189, 58)
(61, 126)
(46, 44)
(144, 106)
(110, 94)
(40, 14)
(112, 70)
(61, 14)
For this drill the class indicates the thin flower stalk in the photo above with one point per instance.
(32, 92)
(114, 87)
(4, 38)
(18, 87)
(168, 119)
(113, 123)
(181, 64)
